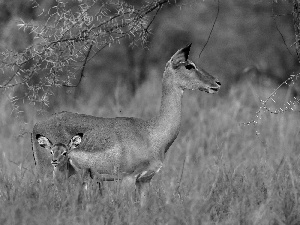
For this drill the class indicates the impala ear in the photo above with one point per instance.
(181, 56)
(43, 141)
(75, 141)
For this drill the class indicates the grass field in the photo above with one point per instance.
(218, 171)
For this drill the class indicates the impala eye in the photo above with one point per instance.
(64, 153)
(189, 67)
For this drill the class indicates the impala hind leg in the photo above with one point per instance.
(100, 187)
(87, 183)
(96, 179)
(85, 179)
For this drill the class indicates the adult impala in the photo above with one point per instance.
(130, 148)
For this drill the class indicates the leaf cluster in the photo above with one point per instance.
(68, 39)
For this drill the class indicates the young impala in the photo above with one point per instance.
(62, 166)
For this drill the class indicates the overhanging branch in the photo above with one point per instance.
(82, 69)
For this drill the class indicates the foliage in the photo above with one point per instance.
(69, 38)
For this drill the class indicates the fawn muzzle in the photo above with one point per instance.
(54, 162)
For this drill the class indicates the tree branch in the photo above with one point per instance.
(63, 42)
(82, 69)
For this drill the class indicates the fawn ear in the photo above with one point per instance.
(43, 141)
(180, 56)
(75, 141)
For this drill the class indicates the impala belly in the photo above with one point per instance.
(99, 161)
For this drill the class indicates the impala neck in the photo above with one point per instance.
(63, 166)
(61, 171)
(167, 123)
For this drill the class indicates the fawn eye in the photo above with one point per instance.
(190, 66)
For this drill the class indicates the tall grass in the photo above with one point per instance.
(217, 171)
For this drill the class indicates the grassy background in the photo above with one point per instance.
(217, 171)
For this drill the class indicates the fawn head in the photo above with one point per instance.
(187, 76)
(59, 151)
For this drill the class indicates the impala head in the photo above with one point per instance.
(186, 75)
(59, 151)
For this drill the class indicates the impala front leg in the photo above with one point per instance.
(143, 180)
(142, 189)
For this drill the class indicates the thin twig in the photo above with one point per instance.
(82, 70)
(296, 16)
(31, 137)
(19, 83)
(218, 10)
(276, 25)
(159, 8)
